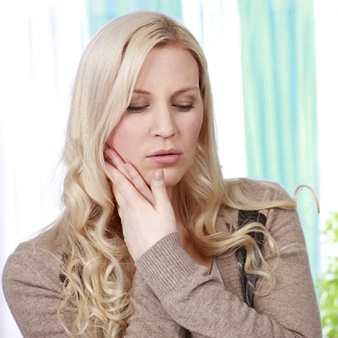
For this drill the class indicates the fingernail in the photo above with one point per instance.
(158, 175)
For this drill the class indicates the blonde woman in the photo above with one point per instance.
(153, 242)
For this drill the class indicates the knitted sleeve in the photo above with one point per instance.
(149, 318)
(203, 305)
(33, 292)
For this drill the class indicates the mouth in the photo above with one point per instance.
(165, 152)
(165, 156)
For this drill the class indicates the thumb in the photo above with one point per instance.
(159, 189)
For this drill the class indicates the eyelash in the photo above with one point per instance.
(137, 109)
(179, 107)
(184, 108)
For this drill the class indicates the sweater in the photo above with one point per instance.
(173, 296)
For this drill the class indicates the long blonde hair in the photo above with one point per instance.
(97, 267)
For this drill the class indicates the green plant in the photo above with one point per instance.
(328, 282)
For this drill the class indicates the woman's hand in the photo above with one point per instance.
(146, 213)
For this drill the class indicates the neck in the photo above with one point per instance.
(191, 247)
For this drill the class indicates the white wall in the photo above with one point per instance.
(326, 28)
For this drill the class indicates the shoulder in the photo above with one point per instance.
(265, 199)
(32, 285)
(271, 200)
(47, 246)
(256, 190)
(34, 264)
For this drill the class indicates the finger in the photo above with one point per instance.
(116, 179)
(159, 189)
(124, 190)
(139, 183)
(130, 172)
(116, 160)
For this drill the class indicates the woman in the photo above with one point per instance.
(152, 241)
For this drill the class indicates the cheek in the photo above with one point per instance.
(114, 138)
(120, 140)
(195, 128)
(126, 140)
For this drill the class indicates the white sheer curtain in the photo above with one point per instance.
(215, 23)
(41, 43)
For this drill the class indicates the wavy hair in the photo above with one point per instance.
(97, 267)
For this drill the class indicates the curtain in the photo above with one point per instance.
(216, 25)
(279, 86)
(42, 41)
(101, 12)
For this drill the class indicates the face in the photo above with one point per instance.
(160, 128)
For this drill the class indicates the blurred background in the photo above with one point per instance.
(274, 70)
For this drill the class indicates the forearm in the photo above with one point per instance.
(149, 319)
(201, 304)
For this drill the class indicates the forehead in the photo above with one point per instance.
(170, 54)
(168, 64)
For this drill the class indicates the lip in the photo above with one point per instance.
(165, 156)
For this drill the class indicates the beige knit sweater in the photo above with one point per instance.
(172, 295)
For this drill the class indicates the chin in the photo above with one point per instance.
(170, 184)
(172, 179)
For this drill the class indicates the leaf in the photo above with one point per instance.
(327, 283)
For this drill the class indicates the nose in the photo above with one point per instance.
(164, 124)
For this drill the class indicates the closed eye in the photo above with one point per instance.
(184, 108)
(137, 109)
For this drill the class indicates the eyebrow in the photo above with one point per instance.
(180, 91)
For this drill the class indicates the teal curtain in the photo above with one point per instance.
(279, 88)
(101, 12)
